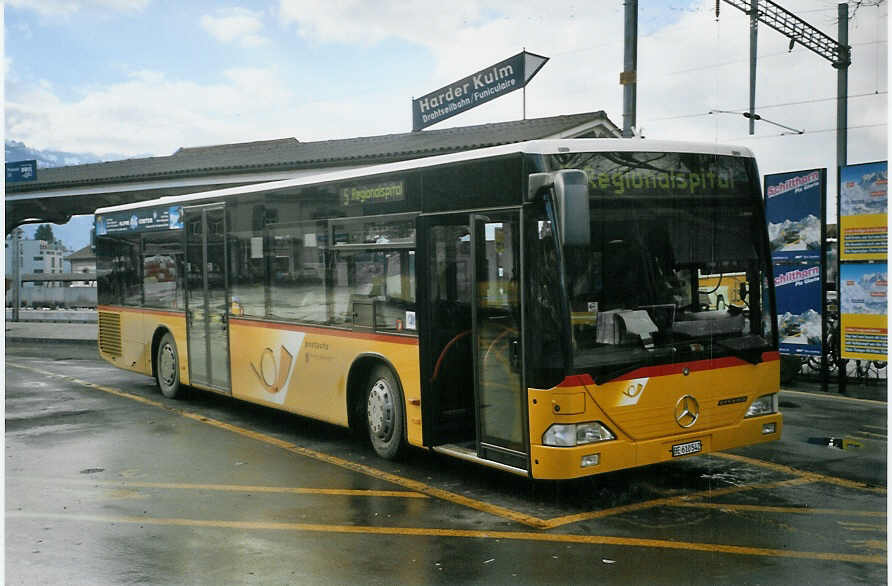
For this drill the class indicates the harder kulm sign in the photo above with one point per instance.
(478, 88)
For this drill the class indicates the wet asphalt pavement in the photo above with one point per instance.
(107, 482)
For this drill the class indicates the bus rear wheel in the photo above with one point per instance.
(167, 367)
(385, 414)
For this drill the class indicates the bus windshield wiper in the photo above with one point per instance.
(748, 348)
(618, 372)
(628, 367)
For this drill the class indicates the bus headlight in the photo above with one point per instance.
(764, 405)
(576, 434)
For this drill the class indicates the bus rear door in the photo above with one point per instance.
(206, 298)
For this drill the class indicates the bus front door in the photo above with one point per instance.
(206, 300)
(500, 397)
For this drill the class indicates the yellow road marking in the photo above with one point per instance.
(408, 483)
(868, 543)
(529, 520)
(870, 434)
(128, 484)
(462, 533)
(668, 502)
(813, 476)
(880, 427)
(766, 509)
(835, 398)
(853, 526)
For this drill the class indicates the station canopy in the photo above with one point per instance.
(62, 192)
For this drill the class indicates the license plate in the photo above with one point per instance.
(686, 449)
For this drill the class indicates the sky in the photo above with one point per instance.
(134, 78)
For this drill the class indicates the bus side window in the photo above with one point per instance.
(297, 283)
(120, 269)
(247, 263)
(374, 264)
(162, 258)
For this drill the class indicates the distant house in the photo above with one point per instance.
(83, 261)
(37, 257)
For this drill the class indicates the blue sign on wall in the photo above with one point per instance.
(798, 291)
(794, 206)
(21, 171)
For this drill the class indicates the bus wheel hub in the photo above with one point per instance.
(167, 366)
(380, 409)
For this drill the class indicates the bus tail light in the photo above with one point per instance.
(576, 434)
(764, 405)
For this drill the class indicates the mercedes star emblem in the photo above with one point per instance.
(687, 410)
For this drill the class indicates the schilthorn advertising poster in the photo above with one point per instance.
(798, 290)
(794, 209)
(864, 231)
(863, 299)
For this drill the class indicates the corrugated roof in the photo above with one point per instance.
(289, 153)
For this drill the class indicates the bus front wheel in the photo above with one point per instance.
(167, 367)
(385, 415)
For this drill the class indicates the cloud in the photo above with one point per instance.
(152, 113)
(363, 22)
(64, 8)
(148, 112)
(235, 25)
(689, 64)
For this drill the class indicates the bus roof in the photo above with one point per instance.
(544, 147)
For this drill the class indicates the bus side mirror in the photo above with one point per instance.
(571, 192)
(539, 182)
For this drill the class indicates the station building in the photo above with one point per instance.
(62, 192)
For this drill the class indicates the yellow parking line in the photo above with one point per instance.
(767, 509)
(667, 502)
(880, 427)
(852, 526)
(835, 397)
(408, 483)
(813, 476)
(462, 533)
(413, 485)
(872, 435)
(129, 484)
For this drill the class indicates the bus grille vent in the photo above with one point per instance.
(110, 333)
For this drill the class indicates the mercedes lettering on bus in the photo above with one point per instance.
(554, 309)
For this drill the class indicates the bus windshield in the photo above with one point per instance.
(676, 267)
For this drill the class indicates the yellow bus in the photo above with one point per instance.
(531, 307)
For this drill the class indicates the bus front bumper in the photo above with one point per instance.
(556, 463)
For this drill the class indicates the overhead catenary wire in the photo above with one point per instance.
(765, 56)
(767, 106)
(786, 134)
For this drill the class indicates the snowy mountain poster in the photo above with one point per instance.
(794, 206)
(863, 305)
(797, 290)
(863, 192)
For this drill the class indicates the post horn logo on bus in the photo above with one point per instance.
(273, 374)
